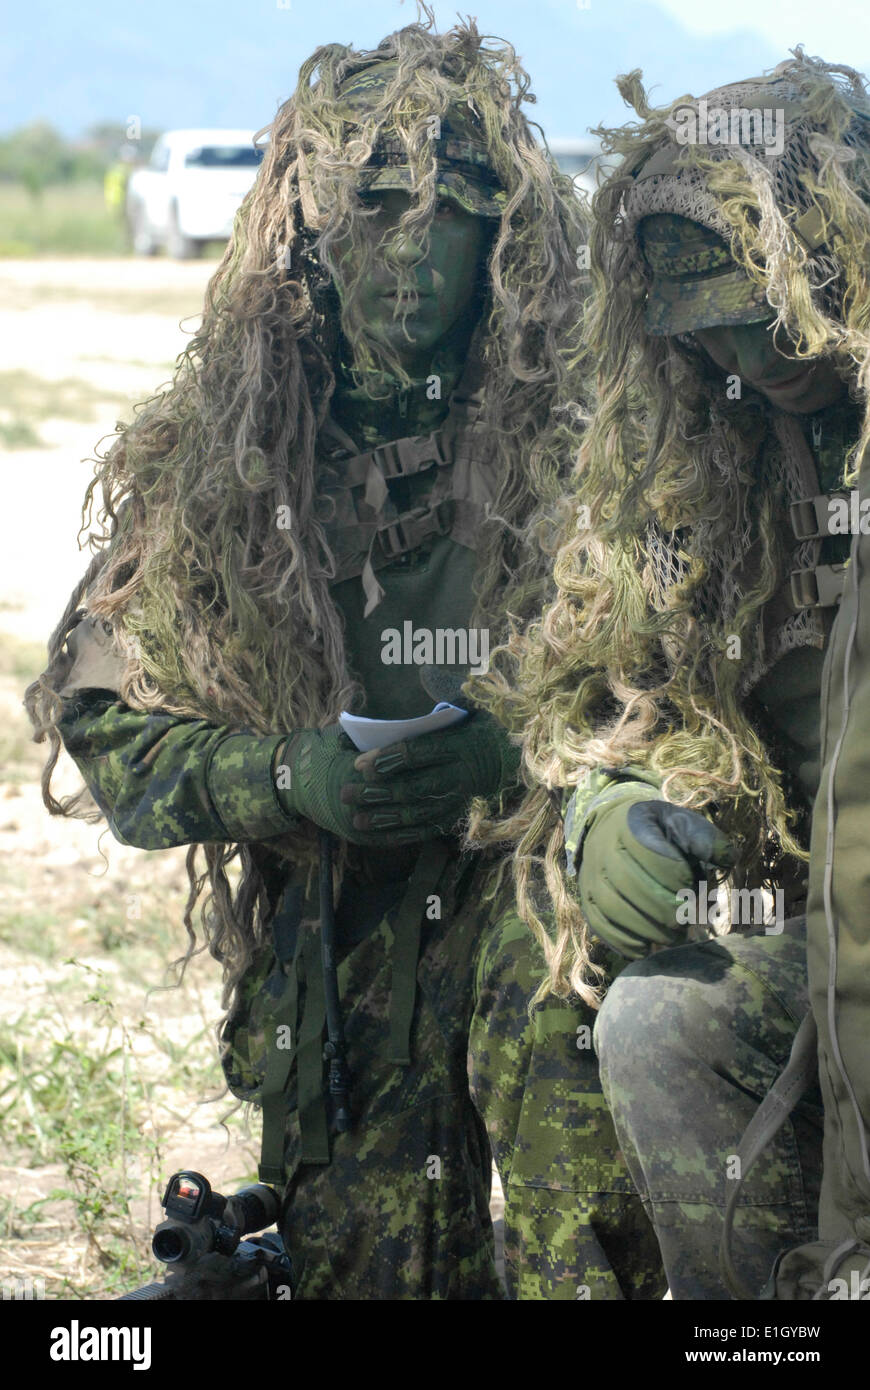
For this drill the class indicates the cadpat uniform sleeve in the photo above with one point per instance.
(163, 781)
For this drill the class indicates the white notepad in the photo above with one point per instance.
(378, 733)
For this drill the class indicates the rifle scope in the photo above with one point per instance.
(200, 1221)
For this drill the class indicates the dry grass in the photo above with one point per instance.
(104, 1086)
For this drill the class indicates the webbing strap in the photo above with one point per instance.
(312, 1104)
(406, 947)
(308, 968)
(279, 1060)
(800, 1073)
(366, 543)
(400, 458)
(812, 516)
(804, 590)
(820, 587)
(365, 533)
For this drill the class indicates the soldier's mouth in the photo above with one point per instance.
(784, 383)
(395, 294)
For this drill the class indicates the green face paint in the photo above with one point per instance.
(765, 361)
(446, 280)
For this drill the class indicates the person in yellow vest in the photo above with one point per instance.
(115, 181)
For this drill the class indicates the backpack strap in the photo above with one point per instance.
(304, 966)
(425, 879)
(811, 586)
(286, 940)
(273, 1099)
(312, 1100)
(800, 1072)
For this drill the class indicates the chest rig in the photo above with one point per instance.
(802, 611)
(452, 481)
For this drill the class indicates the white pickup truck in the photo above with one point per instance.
(190, 190)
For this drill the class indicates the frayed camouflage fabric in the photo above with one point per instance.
(401, 1211)
(690, 1040)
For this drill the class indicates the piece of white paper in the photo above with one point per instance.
(378, 733)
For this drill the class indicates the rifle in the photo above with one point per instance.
(201, 1242)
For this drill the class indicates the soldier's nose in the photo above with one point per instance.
(754, 354)
(407, 251)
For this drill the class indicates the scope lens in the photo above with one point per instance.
(171, 1245)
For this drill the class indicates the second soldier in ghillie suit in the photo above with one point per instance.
(357, 444)
(673, 690)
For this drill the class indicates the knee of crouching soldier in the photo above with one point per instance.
(621, 1028)
(644, 1019)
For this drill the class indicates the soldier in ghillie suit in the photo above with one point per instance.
(358, 442)
(672, 691)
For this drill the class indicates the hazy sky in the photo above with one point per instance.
(230, 62)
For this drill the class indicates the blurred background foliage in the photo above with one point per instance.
(52, 198)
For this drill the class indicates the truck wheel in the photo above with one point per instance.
(179, 246)
(141, 237)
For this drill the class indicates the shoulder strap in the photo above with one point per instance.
(810, 585)
(800, 1073)
(406, 946)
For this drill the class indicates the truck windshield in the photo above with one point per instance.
(223, 157)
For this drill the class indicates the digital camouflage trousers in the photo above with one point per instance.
(401, 1211)
(690, 1040)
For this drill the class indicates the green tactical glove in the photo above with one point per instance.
(637, 853)
(408, 792)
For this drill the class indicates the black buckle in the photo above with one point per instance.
(430, 449)
(394, 539)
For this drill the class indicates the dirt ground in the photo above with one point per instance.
(86, 931)
(104, 1087)
(92, 338)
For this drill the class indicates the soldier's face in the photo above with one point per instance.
(766, 362)
(445, 279)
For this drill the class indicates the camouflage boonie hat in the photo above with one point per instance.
(465, 175)
(695, 282)
(678, 222)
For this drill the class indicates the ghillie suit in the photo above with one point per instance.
(682, 660)
(294, 495)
